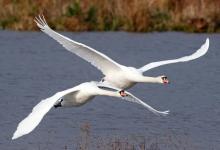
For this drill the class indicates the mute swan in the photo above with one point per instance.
(75, 96)
(116, 74)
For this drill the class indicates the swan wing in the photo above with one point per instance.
(29, 123)
(97, 59)
(107, 87)
(131, 98)
(200, 52)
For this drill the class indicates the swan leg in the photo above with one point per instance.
(58, 104)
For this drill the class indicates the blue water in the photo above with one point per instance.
(34, 67)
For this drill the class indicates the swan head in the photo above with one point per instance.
(163, 79)
(123, 93)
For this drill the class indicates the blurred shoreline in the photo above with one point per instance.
(113, 15)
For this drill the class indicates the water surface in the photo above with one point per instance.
(33, 67)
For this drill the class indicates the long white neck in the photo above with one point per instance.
(148, 79)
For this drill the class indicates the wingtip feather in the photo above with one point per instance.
(207, 41)
(41, 22)
(162, 113)
(205, 47)
(15, 136)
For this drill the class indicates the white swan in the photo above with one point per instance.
(116, 74)
(75, 96)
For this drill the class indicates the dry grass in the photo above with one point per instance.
(127, 15)
(169, 141)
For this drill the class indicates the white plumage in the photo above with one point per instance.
(117, 77)
(116, 74)
(75, 96)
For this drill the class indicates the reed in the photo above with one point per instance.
(168, 141)
(105, 15)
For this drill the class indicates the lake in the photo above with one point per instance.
(34, 66)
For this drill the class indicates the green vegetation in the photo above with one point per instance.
(105, 15)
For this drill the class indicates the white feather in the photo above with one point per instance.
(85, 90)
(38, 112)
(116, 74)
(131, 98)
(97, 59)
(200, 52)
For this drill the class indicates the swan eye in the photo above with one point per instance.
(164, 78)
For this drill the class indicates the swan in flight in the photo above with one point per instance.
(75, 96)
(115, 74)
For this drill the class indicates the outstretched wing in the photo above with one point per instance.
(29, 123)
(132, 98)
(97, 59)
(200, 52)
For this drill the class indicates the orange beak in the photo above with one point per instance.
(166, 81)
(122, 93)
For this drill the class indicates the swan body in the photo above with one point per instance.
(115, 74)
(75, 96)
(128, 77)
